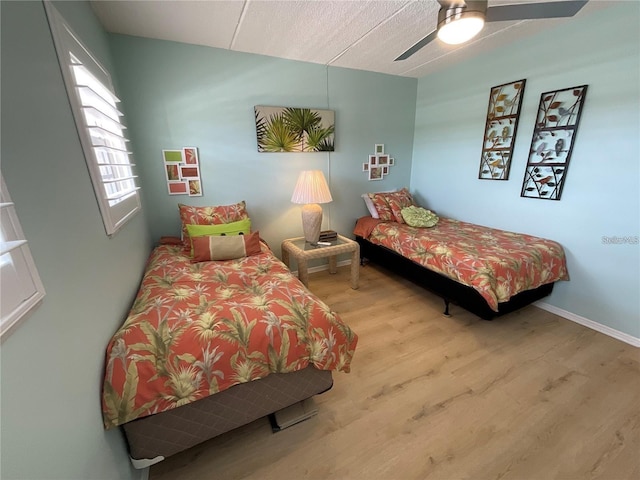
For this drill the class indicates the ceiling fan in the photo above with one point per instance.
(461, 20)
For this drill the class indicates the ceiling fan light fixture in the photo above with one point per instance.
(457, 25)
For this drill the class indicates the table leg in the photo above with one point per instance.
(303, 272)
(333, 264)
(355, 268)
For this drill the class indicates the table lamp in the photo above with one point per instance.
(310, 190)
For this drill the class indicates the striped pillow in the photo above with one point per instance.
(225, 247)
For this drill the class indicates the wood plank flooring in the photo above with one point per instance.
(526, 396)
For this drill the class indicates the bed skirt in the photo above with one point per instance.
(450, 290)
(151, 439)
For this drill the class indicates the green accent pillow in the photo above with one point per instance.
(241, 227)
(419, 217)
(233, 228)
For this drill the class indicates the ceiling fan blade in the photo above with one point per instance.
(418, 46)
(530, 11)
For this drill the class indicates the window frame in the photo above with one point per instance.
(11, 224)
(67, 44)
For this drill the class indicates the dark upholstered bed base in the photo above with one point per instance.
(450, 290)
(153, 438)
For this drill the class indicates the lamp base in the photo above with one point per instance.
(311, 222)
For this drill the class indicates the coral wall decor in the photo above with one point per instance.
(288, 129)
(182, 170)
(500, 130)
(552, 143)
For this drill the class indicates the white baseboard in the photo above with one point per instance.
(598, 327)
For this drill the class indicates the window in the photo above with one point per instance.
(99, 124)
(21, 288)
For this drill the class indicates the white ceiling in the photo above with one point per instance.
(360, 34)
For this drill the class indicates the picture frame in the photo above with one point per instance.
(189, 172)
(172, 172)
(172, 156)
(555, 131)
(375, 173)
(501, 127)
(182, 171)
(294, 129)
(195, 188)
(190, 155)
(178, 188)
(379, 163)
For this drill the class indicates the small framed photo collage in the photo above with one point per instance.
(182, 169)
(379, 163)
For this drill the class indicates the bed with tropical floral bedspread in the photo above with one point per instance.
(197, 329)
(497, 264)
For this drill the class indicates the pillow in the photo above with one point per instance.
(243, 227)
(397, 201)
(381, 205)
(214, 215)
(389, 204)
(370, 206)
(225, 247)
(419, 217)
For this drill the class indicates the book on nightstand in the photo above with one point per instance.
(328, 236)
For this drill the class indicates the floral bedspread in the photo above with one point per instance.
(497, 263)
(198, 328)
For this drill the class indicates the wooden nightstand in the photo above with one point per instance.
(303, 252)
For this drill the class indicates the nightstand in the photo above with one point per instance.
(302, 251)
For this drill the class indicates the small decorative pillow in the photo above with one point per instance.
(243, 227)
(419, 217)
(214, 215)
(381, 205)
(397, 201)
(225, 247)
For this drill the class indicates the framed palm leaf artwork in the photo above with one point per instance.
(291, 129)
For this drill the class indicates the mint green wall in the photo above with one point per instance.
(51, 366)
(600, 197)
(184, 95)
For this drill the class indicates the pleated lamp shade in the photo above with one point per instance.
(311, 189)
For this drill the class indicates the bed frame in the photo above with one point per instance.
(151, 439)
(450, 290)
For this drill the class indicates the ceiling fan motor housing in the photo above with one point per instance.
(456, 10)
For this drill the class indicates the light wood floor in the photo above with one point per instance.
(526, 396)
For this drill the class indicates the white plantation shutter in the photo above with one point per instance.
(99, 123)
(20, 286)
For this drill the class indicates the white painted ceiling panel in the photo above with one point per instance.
(210, 23)
(359, 34)
(313, 31)
(377, 51)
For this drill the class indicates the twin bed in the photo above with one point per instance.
(487, 271)
(211, 345)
